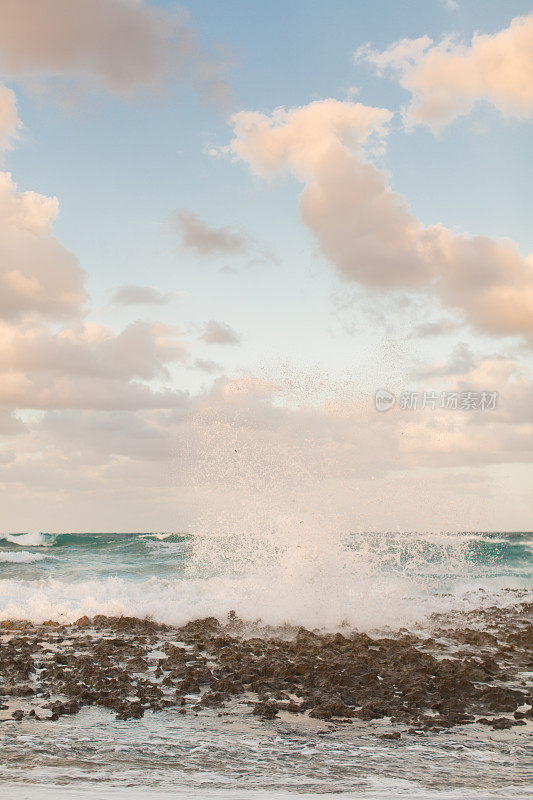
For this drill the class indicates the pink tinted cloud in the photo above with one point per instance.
(38, 275)
(367, 230)
(120, 46)
(447, 79)
(205, 240)
(9, 118)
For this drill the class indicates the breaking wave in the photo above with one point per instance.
(273, 540)
(21, 558)
(369, 607)
(36, 539)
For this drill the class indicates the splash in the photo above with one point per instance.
(278, 533)
(178, 601)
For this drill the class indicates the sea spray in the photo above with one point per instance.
(276, 530)
(124, 574)
(278, 534)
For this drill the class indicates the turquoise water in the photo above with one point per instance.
(82, 556)
(61, 575)
(371, 581)
(135, 556)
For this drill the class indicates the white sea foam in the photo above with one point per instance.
(21, 557)
(369, 607)
(35, 539)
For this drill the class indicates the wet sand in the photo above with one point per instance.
(34, 792)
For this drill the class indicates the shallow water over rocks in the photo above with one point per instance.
(123, 701)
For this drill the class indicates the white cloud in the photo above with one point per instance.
(139, 351)
(303, 138)
(97, 437)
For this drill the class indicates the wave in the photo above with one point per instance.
(40, 539)
(370, 605)
(36, 539)
(169, 538)
(21, 558)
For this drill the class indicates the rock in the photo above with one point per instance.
(333, 676)
(266, 710)
(502, 724)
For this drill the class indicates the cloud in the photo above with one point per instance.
(448, 79)
(255, 433)
(461, 363)
(503, 374)
(219, 333)
(203, 240)
(96, 437)
(82, 366)
(367, 230)
(86, 367)
(195, 235)
(140, 295)
(37, 274)
(301, 139)
(139, 351)
(207, 366)
(436, 328)
(9, 118)
(504, 435)
(254, 442)
(10, 424)
(42, 391)
(120, 46)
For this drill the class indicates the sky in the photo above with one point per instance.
(225, 226)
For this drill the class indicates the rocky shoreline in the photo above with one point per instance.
(463, 670)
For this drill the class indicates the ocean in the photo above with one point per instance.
(369, 580)
(377, 583)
